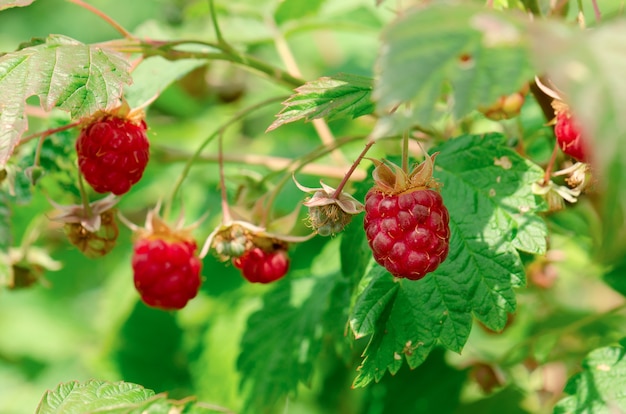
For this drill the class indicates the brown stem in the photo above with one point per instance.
(355, 164)
(104, 17)
(47, 132)
(550, 166)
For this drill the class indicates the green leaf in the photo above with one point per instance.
(7, 4)
(79, 398)
(481, 54)
(64, 73)
(589, 66)
(281, 342)
(487, 190)
(599, 388)
(342, 95)
(155, 74)
(296, 9)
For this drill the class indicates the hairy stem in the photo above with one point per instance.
(104, 17)
(83, 195)
(355, 164)
(47, 132)
(548, 174)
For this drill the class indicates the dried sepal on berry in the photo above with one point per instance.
(94, 230)
(406, 221)
(389, 178)
(329, 214)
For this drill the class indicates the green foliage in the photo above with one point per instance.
(337, 320)
(481, 55)
(282, 342)
(495, 216)
(599, 387)
(64, 73)
(74, 397)
(114, 398)
(342, 95)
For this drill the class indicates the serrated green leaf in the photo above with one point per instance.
(487, 190)
(63, 73)
(281, 343)
(481, 54)
(296, 9)
(6, 4)
(599, 388)
(103, 396)
(589, 66)
(155, 74)
(355, 254)
(343, 95)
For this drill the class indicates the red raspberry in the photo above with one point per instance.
(568, 135)
(406, 222)
(113, 153)
(166, 273)
(259, 266)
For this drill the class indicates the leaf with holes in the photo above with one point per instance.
(493, 214)
(599, 388)
(343, 95)
(63, 73)
(482, 55)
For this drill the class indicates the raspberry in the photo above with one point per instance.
(166, 269)
(568, 135)
(259, 266)
(406, 222)
(113, 153)
(166, 274)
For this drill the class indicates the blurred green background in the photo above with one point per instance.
(86, 321)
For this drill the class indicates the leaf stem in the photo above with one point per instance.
(355, 164)
(238, 116)
(47, 132)
(596, 11)
(216, 27)
(104, 17)
(548, 174)
(405, 152)
(83, 195)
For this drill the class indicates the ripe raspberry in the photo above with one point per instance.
(166, 273)
(568, 135)
(113, 153)
(166, 269)
(260, 266)
(406, 222)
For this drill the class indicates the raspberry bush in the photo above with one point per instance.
(419, 201)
